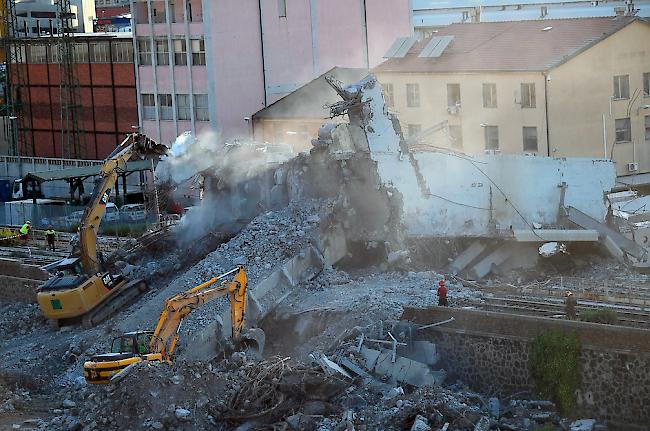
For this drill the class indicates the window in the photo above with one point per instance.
(122, 52)
(413, 95)
(198, 52)
(144, 52)
(148, 107)
(183, 108)
(530, 138)
(453, 94)
(282, 8)
(201, 112)
(489, 95)
(456, 135)
(159, 14)
(622, 87)
(80, 53)
(99, 52)
(646, 84)
(165, 107)
(528, 95)
(180, 52)
(162, 52)
(413, 129)
(37, 54)
(389, 95)
(647, 128)
(491, 137)
(623, 130)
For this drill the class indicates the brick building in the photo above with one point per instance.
(104, 68)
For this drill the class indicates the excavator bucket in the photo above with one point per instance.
(252, 342)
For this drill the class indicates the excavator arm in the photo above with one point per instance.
(180, 306)
(134, 146)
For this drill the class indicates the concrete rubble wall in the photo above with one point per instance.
(450, 194)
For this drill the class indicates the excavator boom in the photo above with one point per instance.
(180, 306)
(129, 349)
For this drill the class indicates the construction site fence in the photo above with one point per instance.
(66, 218)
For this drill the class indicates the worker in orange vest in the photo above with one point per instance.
(442, 294)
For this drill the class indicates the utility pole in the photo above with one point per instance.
(72, 137)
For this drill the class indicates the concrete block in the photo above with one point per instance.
(548, 235)
(403, 369)
(466, 257)
(333, 244)
(613, 248)
(421, 351)
(524, 255)
(495, 258)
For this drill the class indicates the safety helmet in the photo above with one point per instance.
(441, 282)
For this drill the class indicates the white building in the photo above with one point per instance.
(40, 16)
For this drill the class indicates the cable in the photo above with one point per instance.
(458, 203)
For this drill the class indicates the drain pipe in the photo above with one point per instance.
(259, 5)
(548, 139)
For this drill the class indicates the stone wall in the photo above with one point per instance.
(615, 382)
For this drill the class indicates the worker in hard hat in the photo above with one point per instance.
(570, 303)
(442, 294)
(24, 231)
(50, 236)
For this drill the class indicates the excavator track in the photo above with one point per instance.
(127, 293)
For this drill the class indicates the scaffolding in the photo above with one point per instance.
(72, 136)
(14, 103)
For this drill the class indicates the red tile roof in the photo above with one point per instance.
(509, 46)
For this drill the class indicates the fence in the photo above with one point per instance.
(67, 218)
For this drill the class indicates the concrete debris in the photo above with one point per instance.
(551, 249)
(583, 425)
(420, 424)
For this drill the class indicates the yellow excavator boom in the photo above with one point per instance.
(178, 307)
(104, 368)
(133, 146)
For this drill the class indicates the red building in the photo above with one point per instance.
(105, 72)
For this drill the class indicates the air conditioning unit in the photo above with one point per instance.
(632, 167)
(453, 110)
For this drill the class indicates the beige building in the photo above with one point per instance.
(567, 87)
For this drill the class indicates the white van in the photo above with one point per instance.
(112, 213)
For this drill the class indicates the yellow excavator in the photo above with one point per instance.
(158, 345)
(81, 286)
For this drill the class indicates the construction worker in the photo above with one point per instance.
(442, 294)
(24, 231)
(50, 236)
(570, 303)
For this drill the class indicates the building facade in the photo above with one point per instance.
(429, 15)
(39, 17)
(207, 64)
(104, 69)
(561, 88)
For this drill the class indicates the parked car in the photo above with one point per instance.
(133, 212)
(112, 213)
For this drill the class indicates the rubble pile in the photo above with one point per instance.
(282, 393)
(264, 244)
(20, 319)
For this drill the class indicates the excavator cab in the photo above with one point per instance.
(133, 342)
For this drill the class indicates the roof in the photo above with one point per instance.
(537, 45)
(87, 171)
(308, 101)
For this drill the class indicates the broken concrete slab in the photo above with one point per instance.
(420, 351)
(484, 266)
(625, 244)
(466, 257)
(548, 235)
(403, 369)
